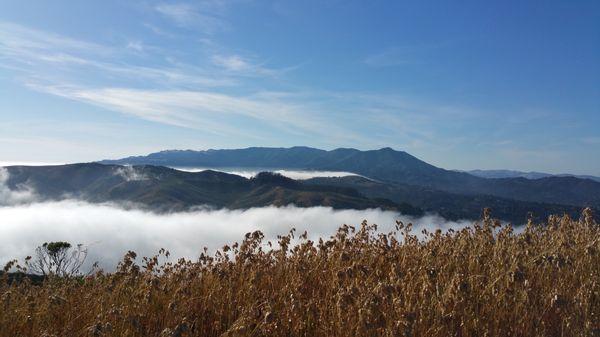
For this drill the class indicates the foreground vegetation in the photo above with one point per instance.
(488, 280)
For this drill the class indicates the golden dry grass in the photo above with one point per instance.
(487, 280)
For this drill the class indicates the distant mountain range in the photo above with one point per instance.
(390, 167)
(386, 178)
(527, 175)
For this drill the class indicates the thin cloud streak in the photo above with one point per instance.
(171, 101)
(189, 16)
(293, 174)
(190, 109)
(16, 40)
(32, 51)
(243, 66)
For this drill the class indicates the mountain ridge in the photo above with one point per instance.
(386, 165)
(527, 175)
(164, 189)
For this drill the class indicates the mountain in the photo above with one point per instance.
(449, 205)
(294, 157)
(527, 175)
(165, 189)
(389, 166)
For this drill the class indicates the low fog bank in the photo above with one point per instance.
(23, 194)
(109, 230)
(251, 172)
(29, 163)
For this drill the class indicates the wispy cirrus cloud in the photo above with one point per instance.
(219, 95)
(231, 62)
(244, 66)
(181, 13)
(26, 49)
(37, 54)
(16, 40)
(205, 16)
(178, 94)
(201, 110)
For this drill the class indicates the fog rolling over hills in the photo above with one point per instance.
(388, 166)
(163, 189)
(340, 179)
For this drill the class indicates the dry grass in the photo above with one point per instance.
(483, 281)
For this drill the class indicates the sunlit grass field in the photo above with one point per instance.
(486, 280)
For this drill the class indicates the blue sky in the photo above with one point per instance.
(464, 85)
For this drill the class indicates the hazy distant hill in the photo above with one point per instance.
(449, 205)
(387, 165)
(528, 175)
(165, 189)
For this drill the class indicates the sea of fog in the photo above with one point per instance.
(251, 172)
(110, 230)
(247, 172)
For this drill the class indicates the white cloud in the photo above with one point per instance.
(130, 173)
(180, 13)
(191, 16)
(137, 46)
(192, 109)
(182, 95)
(243, 66)
(37, 54)
(27, 163)
(232, 62)
(23, 194)
(294, 174)
(17, 40)
(110, 231)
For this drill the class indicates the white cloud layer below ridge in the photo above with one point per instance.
(293, 174)
(110, 231)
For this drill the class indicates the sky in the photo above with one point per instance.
(461, 85)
